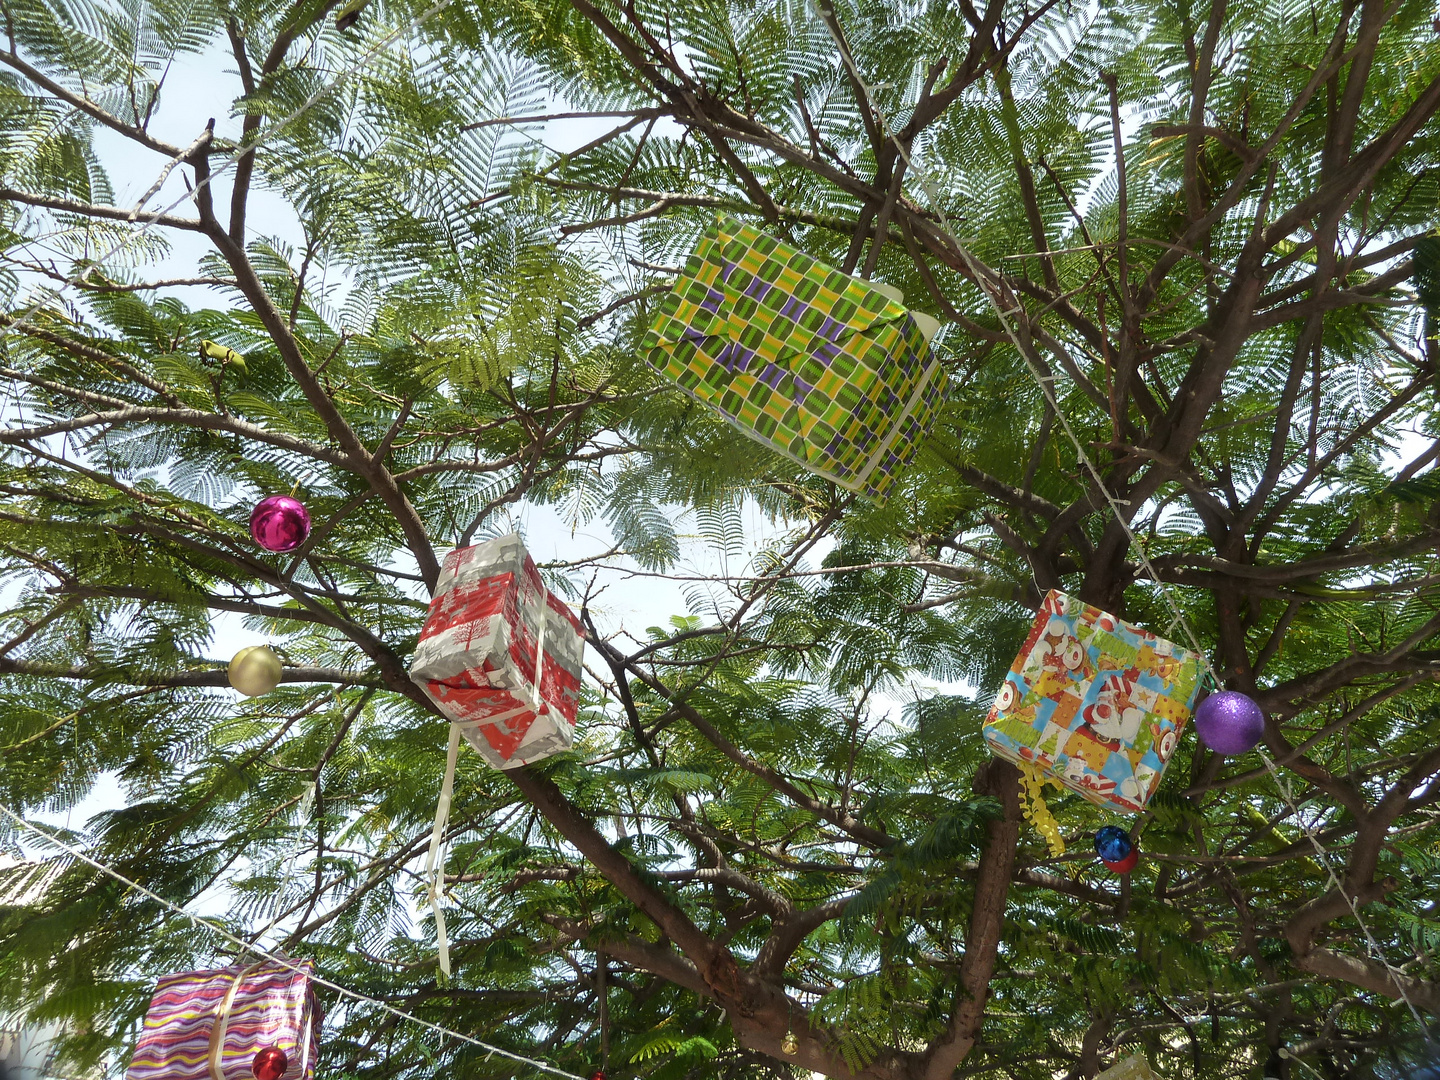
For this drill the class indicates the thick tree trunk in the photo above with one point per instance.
(992, 883)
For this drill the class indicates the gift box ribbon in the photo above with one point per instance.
(434, 864)
(221, 1027)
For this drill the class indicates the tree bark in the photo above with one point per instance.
(992, 883)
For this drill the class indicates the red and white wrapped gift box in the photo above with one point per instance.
(500, 655)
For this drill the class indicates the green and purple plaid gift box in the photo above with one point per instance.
(814, 363)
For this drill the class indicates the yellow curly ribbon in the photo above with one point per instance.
(1033, 806)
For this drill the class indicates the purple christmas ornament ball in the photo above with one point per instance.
(280, 523)
(1229, 723)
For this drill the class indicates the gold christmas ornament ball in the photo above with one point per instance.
(790, 1044)
(255, 670)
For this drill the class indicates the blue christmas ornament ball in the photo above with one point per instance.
(1112, 844)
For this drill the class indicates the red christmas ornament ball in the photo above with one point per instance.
(1125, 865)
(598, 1074)
(270, 1064)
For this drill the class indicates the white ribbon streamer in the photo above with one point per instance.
(434, 865)
(434, 861)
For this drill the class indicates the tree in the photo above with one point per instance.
(1198, 223)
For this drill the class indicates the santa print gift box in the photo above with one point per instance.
(500, 655)
(1095, 702)
(211, 1025)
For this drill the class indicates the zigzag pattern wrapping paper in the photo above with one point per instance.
(478, 649)
(809, 361)
(1094, 702)
(272, 1006)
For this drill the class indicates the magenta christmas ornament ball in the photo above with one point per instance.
(1229, 723)
(280, 523)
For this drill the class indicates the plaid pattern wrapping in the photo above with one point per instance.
(209, 1025)
(1094, 702)
(491, 623)
(809, 361)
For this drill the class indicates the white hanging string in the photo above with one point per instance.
(990, 287)
(280, 960)
(150, 218)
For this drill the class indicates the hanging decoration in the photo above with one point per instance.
(232, 1023)
(280, 523)
(255, 670)
(1033, 806)
(269, 1064)
(1116, 850)
(1095, 703)
(1134, 1067)
(277, 960)
(821, 366)
(501, 656)
(1230, 723)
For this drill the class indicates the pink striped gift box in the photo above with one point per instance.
(210, 1025)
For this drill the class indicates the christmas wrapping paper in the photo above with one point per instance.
(1094, 702)
(209, 1025)
(809, 361)
(500, 655)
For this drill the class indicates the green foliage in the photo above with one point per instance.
(804, 736)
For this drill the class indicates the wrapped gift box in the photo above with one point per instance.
(817, 364)
(1094, 702)
(209, 1025)
(500, 655)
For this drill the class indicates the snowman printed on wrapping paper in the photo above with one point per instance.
(1072, 769)
(1134, 788)
(1158, 655)
(1062, 656)
(1008, 697)
(1113, 718)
